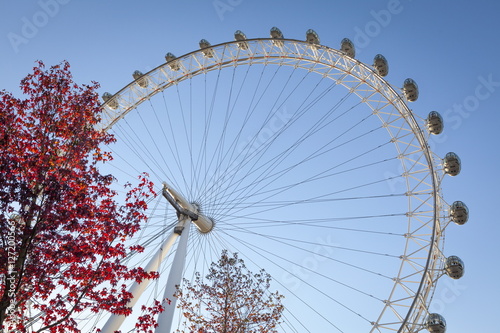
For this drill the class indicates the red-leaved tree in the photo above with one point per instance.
(62, 230)
(231, 299)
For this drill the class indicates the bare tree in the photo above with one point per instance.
(230, 300)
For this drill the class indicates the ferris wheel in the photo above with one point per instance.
(304, 161)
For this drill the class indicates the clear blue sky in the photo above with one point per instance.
(451, 48)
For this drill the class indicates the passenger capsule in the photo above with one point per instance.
(276, 34)
(410, 89)
(434, 123)
(110, 101)
(347, 47)
(240, 37)
(459, 213)
(141, 80)
(454, 267)
(312, 37)
(435, 323)
(172, 62)
(381, 65)
(206, 49)
(452, 164)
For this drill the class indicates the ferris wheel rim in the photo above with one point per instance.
(130, 87)
(405, 112)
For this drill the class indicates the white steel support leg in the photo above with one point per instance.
(115, 321)
(186, 212)
(174, 279)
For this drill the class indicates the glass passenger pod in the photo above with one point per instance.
(381, 65)
(347, 47)
(172, 62)
(459, 213)
(206, 49)
(312, 37)
(110, 101)
(434, 123)
(452, 164)
(276, 34)
(241, 37)
(141, 80)
(435, 323)
(410, 89)
(454, 267)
